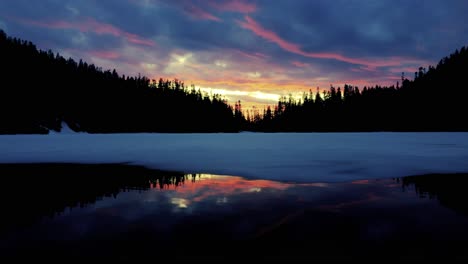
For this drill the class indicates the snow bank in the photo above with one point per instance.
(65, 129)
(302, 157)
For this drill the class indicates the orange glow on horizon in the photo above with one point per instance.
(257, 76)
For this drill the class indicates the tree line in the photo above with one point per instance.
(435, 100)
(42, 90)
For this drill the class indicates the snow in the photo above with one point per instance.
(299, 157)
(65, 129)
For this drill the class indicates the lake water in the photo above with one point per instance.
(129, 212)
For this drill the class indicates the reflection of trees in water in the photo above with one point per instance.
(32, 191)
(166, 180)
(450, 190)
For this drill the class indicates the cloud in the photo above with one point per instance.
(271, 36)
(222, 44)
(90, 25)
(300, 64)
(79, 39)
(195, 9)
(73, 10)
(3, 26)
(199, 13)
(149, 66)
(220, 63)
(234, 6)
(254, 74)
(260, 31)
(105, 54)
(254, 55)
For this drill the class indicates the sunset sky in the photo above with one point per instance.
(254, 51)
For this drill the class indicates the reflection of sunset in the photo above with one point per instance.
(198, 187)
(360, 182)
(181, 203)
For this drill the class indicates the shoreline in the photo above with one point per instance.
(121, 168)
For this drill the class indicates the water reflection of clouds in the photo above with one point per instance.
(218, 189)
(180, 202)
(360, 182)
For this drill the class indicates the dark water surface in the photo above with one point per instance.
(129, 212)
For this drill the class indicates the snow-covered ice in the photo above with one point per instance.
(301, 157)
(65, 129)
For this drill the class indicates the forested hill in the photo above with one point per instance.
(40, 90)
(435, 100)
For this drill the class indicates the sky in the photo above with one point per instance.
(253, 51)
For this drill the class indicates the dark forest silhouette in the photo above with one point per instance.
(434, 101)
(449, 190)
(42, 90)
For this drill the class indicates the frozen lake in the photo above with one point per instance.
(294, 157)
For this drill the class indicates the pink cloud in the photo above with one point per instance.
(356, 70)
(199, 13)
(190, 7)
(363, 182)
(260, 31)
(370, 64)
(91, 25)
(299, 64)
(234, 6)
(255, 55)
